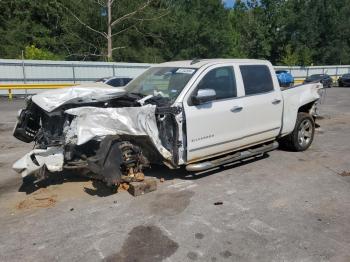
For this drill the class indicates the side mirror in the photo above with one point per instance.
(203, 96)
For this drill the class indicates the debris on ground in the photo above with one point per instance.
(42, 198)
(123, 187)
(344, 173)
(162, 180)
(141, 188)
(218, 203)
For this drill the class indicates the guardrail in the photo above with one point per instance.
(10, 87)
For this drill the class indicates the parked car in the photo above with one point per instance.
(115, 81)
(325, 79)
(285, 78)
(344, 80)
(200, 114)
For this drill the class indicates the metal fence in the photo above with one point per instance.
(32, 71)
(302, 72)
(55, 72)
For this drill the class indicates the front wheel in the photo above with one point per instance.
(303, 134)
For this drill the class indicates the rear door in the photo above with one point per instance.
(262, 104)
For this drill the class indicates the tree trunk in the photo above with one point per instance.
(109, 31)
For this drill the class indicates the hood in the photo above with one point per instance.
(85, 93)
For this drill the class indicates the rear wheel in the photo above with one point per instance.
(303, 134)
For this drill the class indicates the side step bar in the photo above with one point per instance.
(202, 166)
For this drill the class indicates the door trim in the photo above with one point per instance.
(233, 140)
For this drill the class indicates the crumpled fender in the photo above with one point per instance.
(94, 122)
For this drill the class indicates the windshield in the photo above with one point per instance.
(166, 82)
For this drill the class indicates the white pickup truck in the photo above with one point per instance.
(200, 114)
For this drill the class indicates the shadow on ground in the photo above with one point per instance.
(100, 189)
(160, 172)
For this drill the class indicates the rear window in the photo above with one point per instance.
(256, 78)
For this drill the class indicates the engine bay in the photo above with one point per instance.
(112, 138)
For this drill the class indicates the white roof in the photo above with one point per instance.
(201, 62)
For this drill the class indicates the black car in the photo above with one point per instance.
(325, 79)
(115, 81)
(344, 80)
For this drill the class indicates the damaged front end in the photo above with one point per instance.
(107, 135)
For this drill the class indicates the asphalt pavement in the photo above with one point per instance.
(284, 207)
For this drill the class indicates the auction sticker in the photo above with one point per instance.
(185, 71)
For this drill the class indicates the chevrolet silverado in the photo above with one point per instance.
(200, 114)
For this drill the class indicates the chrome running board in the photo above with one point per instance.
(202, 166)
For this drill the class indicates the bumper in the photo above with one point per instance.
(52, 158)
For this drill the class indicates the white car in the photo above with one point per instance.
(199, 114)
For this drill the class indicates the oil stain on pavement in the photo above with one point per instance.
(146, 244)
(170, 204)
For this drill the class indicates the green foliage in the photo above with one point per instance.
(290, 58)
(34, 53)
(293, 32)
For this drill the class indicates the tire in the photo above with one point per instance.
(303, 134)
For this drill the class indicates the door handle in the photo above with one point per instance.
(236, 109)
(276, 101)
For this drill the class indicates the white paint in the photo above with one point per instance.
(95, 123)
(293, 99)
(52, 99)
(51, 157)
(213, 129)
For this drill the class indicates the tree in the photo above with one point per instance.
(195, 29)
(121, 17)
(25, 22)
(290, 57)
(34, 53)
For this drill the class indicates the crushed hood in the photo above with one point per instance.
(85, 93)
(93, 122)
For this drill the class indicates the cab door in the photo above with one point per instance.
(262, 104)
(214, 126)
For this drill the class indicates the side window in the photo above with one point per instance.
(115, 82)
(256, 78)
(222, 80)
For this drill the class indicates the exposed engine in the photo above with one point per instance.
(111, 158)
